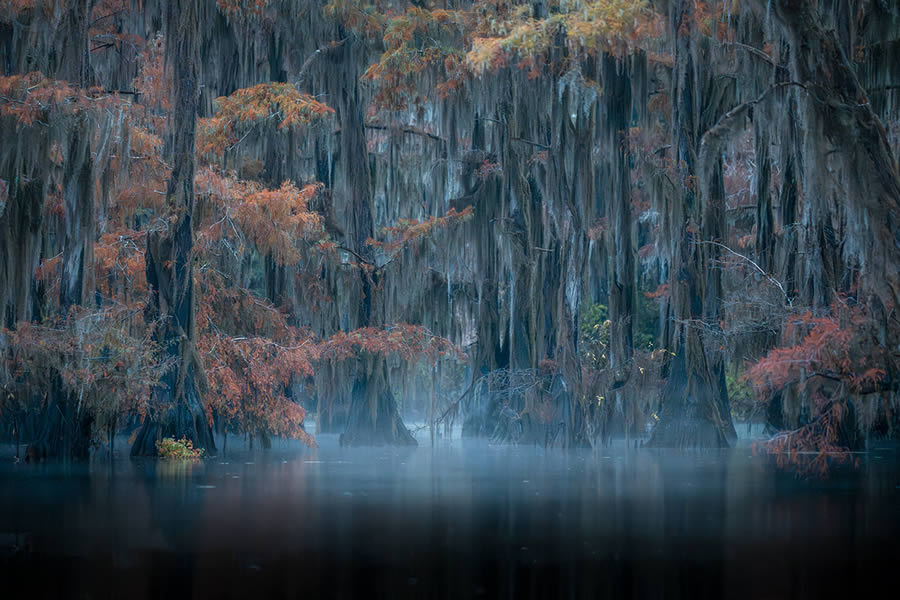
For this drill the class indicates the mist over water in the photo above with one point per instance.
(465, 519)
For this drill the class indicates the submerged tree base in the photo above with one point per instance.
(690, 415)
(379, 427)
(179, 424)
(685, 430)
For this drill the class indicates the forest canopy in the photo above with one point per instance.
(552, 221)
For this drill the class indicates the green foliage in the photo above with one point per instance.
(740, 394)
(182, 449)
(595, 335)
(595, 328)
(646, 323)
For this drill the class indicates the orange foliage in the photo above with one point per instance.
(275, 221)
(31, 97)
(410, 342)
(835, 354)
(144, 188)
(416, 42)
(242, 8)
(225, 307)
(277, 102)
(105, 29)
(151, 82)
(119, 264)
(408, 231)
(249, 373)
(590, 27)
(363, 18)
(830, 346)
(661, 291)
(248, 380)
(107, 357)
(812, 447)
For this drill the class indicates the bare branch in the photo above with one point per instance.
(754, 265)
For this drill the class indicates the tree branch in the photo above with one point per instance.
(301, 75)
(755, 266)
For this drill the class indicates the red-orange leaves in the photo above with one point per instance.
(408, 231)
(838, 346)
(277, 103)
(360, 17)
(590, 27)
(107, 358)
(32, 96)
(416, 42)
(275, 221)
(249, 379)
(119, 264)
(242, 8)
(410, 342)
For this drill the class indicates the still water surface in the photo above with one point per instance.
(463, 520)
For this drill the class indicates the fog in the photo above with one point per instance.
(462, 519)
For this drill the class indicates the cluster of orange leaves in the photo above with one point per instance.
(839, 348)
(813, 447)
(242, 8)
(836, 345)
(409, 342)
(31, 97)
(151, 82)
(416, 42)
(107, 357)
(714, 19)
(146, 174)
(119, 264)
(256, 105)
(408, 231)
(365, 18)
(249, 379)
(455, 45)
(273, 220)
(253, 357)
(589, 27)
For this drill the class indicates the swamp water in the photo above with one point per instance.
(465, 519)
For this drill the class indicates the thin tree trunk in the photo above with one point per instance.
(433, 401)
(620, 251)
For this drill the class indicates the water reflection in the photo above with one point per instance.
(457, 521)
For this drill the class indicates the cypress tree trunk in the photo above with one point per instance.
(66, 424)
(841, 105)
(177, 408)
(691, 399)
(373, 418)
(66, 431)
